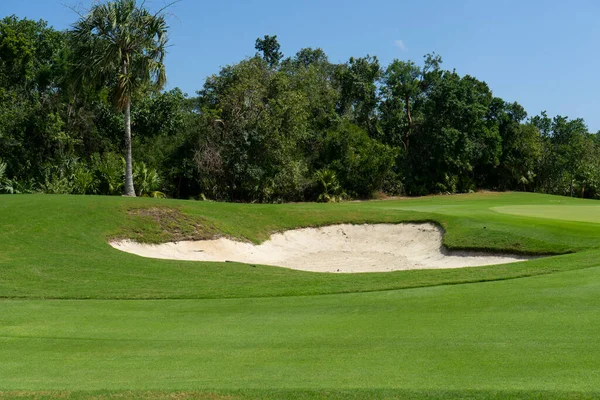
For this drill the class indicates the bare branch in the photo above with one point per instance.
(167, 6)
(74, 9)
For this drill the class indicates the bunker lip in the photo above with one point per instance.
(340, 248)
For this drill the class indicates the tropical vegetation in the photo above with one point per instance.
(265, 129)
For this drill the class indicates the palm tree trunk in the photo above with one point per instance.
(129, 189)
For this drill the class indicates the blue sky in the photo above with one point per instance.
(543, 54)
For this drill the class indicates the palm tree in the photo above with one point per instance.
(121, 43)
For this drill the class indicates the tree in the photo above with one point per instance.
(358, 80)
(308, 56)
(269, 46)
(262, 122)
(402, 84)
(124, 44)
(360, 162)
(265, 129)
(455, 148)
(567, 154)
(310, 73)
(30, 75)
(521, 145)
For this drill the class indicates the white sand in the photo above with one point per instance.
(337, 248)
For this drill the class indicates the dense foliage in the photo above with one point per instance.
(271, 129)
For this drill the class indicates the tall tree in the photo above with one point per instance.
(262, 119)
(402, 84)
(270, 47)
(122, 43)
(358, 80)
(521, 146)
(30, 80)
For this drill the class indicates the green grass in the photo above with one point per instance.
(581, 212)
(55, 247)
(300, 395)
(230, 331)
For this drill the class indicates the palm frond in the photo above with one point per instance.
(121, 40)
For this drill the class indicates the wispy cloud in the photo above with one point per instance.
(400, 44)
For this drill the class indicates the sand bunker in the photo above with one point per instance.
(337, 248)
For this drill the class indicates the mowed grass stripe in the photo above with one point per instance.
(582, 212)
(531, 334)
(330, 394)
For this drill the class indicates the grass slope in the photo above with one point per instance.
(56, 246)
(232, 331)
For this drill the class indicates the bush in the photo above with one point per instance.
(3, 178)
(110, 172)
(360, 163)
(84, 181)
(147, 181)
(56, 181)
(328, 186)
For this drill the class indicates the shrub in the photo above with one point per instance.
(84, 181)
(3, 178)
(328, 186)
(110, 172)
(55, 182)
(360, 163)
(147, 181)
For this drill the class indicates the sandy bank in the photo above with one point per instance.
(338, 248)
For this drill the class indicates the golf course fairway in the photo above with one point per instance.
(79, 319)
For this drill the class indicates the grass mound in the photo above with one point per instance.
(57, 246)
(165, 224)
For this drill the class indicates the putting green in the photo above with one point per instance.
(562, 212)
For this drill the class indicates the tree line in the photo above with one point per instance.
(269, 128)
